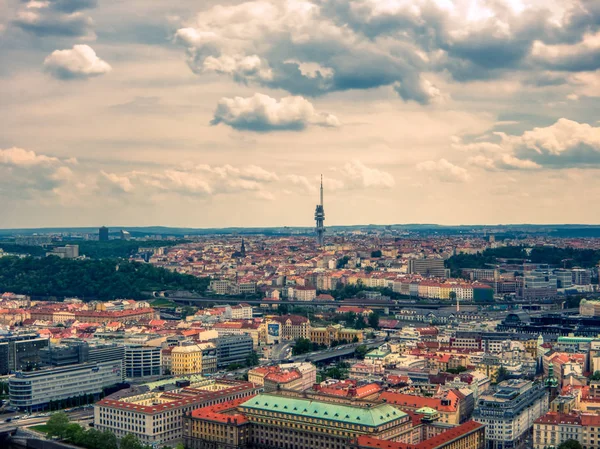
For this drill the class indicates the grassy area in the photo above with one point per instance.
(42, 428)
(163, 302)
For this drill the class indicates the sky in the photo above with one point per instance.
(225, 113)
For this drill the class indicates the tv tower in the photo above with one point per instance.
(320, 218)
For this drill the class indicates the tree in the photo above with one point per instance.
(570, 444)
(302, 346)
(252, 359)
(187, 311)
(595, 376)
(361, 351)
(130, 441)
(180, 446)
(374, 320)
(57, 424)
(74, 433)
(109, 440)
(502, 374)
(376, 253)
(452, 296)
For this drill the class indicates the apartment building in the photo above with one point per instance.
(194, 359)
(293, 327)
(327, 335)
(509, 413)
(156, 417)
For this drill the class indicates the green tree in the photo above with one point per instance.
(374, 320)
(595, 376)
(252, 359)
(74, 433)
(57, 424)
(302, 346)
(109, 440)
(502, 374)
(361, 351)
(180, 446)
(376, 253)
(130, 441)
(570, 444)
(187, 311)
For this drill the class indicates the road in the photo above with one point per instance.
(281, 351)
(82, 416)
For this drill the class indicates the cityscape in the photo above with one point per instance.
(169, 276)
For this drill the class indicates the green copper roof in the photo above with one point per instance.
(377, 353)
(374, 416)
(427, 411)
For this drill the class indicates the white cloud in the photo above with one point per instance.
(79, 62)
(242, 68)
(261, 113)
(25, 173)
(357, 174)
(444, 171)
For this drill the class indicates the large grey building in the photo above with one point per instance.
(33, 391)
(20, 352)
(232, 349)
(78, 351)
(428, 267)
(142, 361)
(509, 412)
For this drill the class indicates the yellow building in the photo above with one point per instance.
(192, 359)
(326, 335)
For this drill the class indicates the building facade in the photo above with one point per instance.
(142, 361)
(33, 391)
(509, 413)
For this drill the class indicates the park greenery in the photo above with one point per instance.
(559, 257)
(90, 279)
(60, 427)
(113, 249)
(570, 444)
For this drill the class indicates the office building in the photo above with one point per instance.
(428, 267)
(509, 413)
(537, 285)
(194, 359)
(34, 390)
(564, 278)
(293, 421)
(65, 252)
(76, 351)
(581, 276)
(233, 349)
(555, 428)
(103, 234)
(156, 417)
(142, 361)
(20, 352)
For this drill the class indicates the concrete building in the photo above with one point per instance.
(77, 351)
(142, 361)
(20, 352)
(327, 335)
(288, 420)
(428, 267)
(33, 391)
(293, 327)
(65, 252)
(156, 417)
(194, 359)
(509, 413)
(232, 349)
(555, 428)
(103, 234)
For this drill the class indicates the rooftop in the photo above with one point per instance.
(373, 416)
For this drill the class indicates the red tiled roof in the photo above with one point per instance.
(415, 402)
(435, 442)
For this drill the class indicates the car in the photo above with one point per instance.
(8, 420)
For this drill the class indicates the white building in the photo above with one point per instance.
(33, 391)
(509, 413)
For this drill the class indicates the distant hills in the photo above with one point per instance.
(557, 230)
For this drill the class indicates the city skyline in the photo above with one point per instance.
(202, 115)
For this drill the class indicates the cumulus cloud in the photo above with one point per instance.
(193, 180)
(80, 62)
(294, 45)
(56, 18)
(24, 172)
(357, 174)
(312, 47)
(444, 171)
(566, 143)
(261, 113)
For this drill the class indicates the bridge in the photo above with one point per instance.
(372, 304)
(335, 353)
